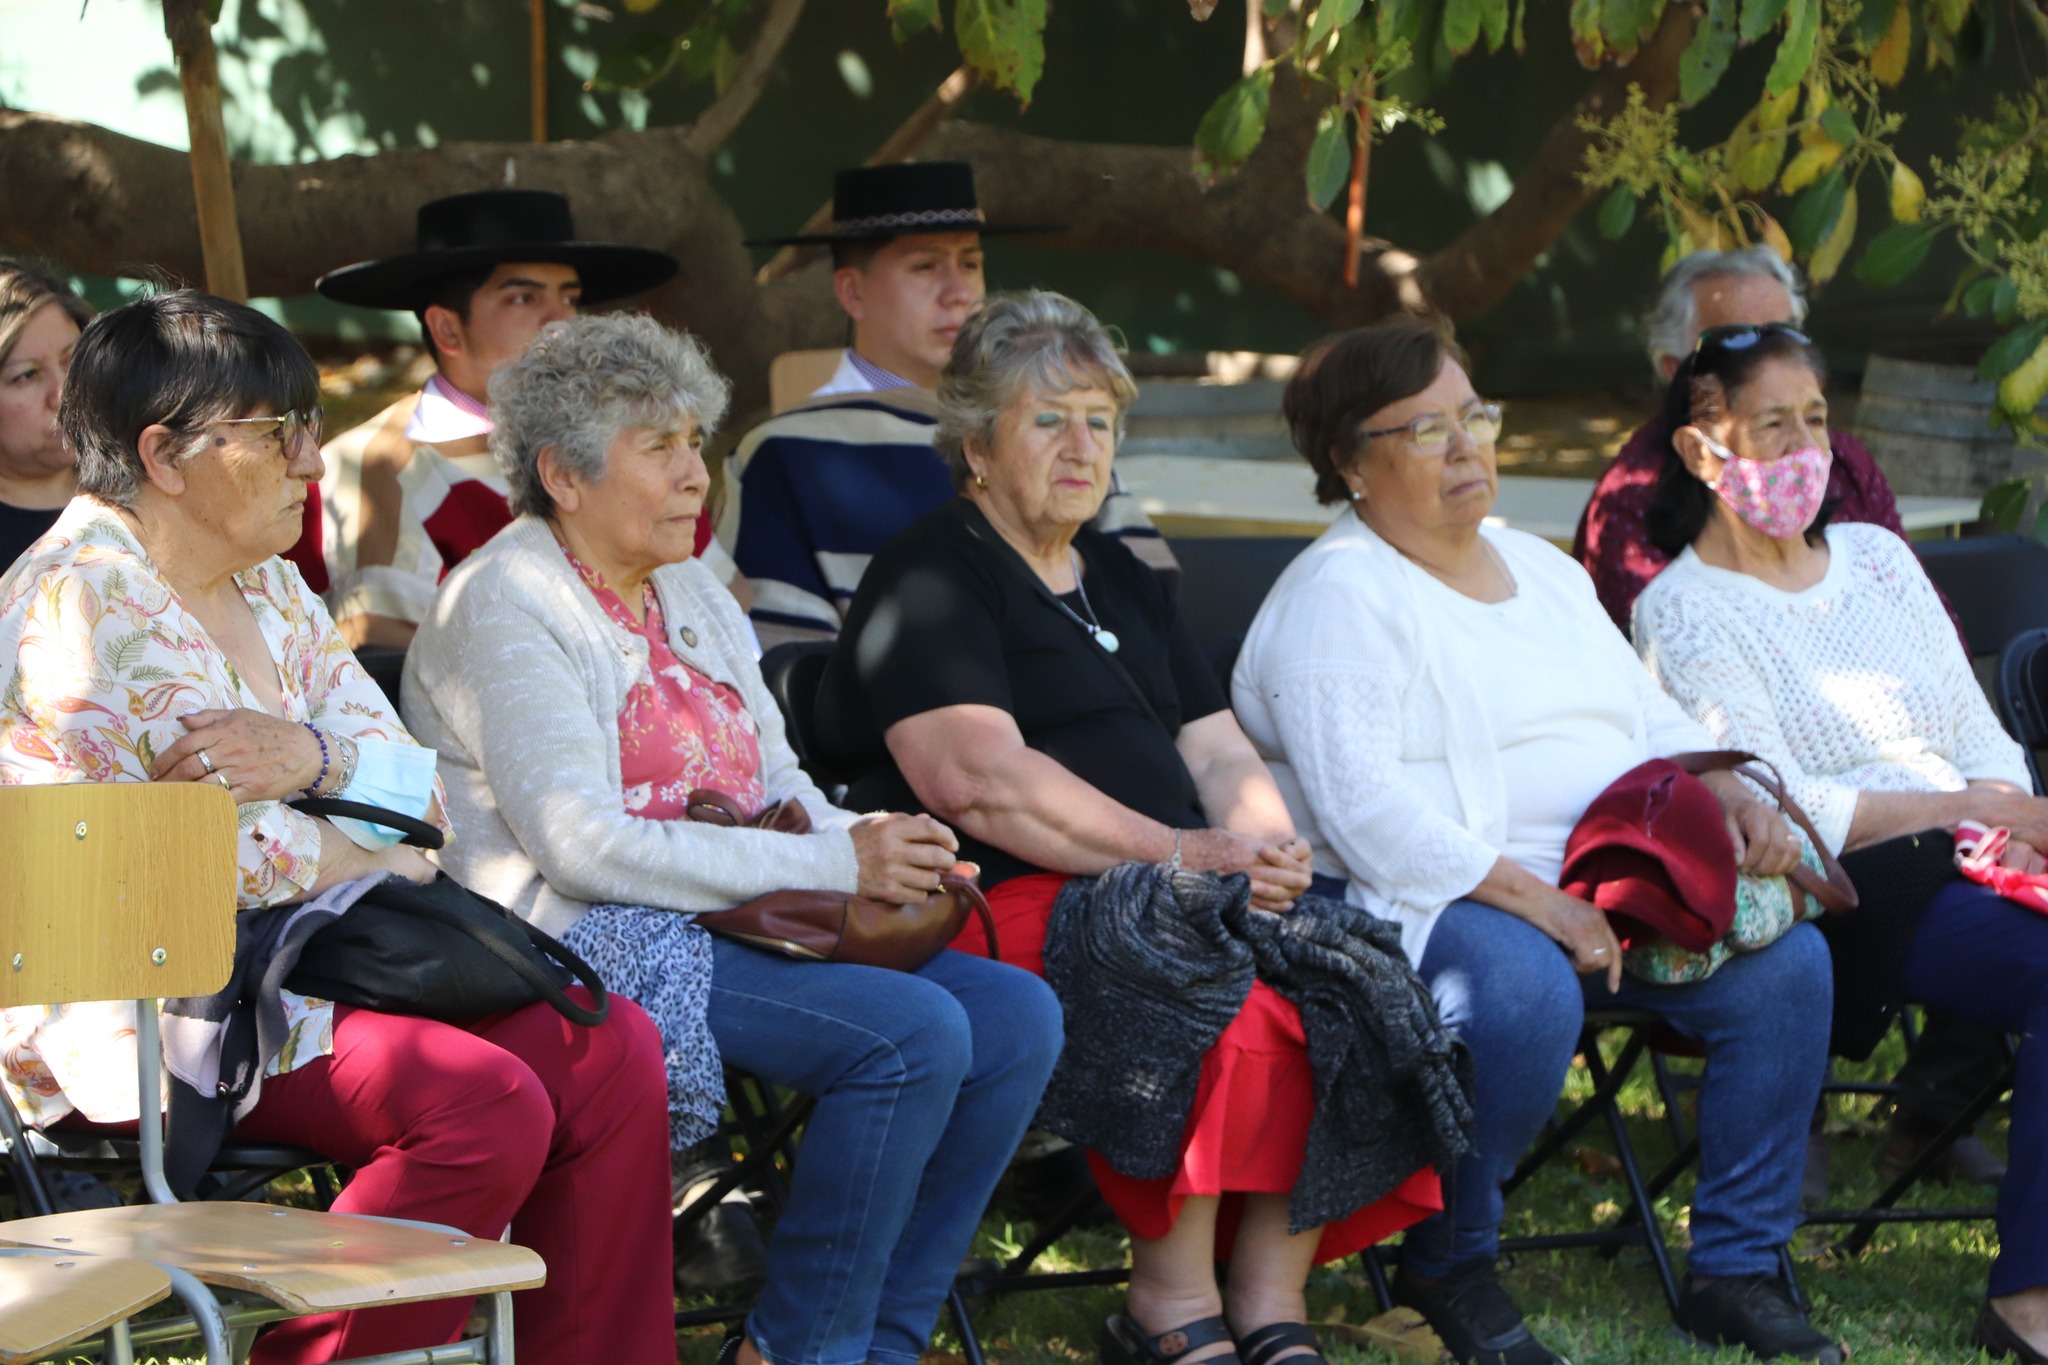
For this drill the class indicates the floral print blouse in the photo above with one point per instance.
(100, 660)
(679, 730)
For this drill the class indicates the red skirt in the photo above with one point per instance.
(1249, 1126)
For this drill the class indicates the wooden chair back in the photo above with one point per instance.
(794, 376)
(116, 891)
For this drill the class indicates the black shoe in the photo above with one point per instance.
(1057, 1185)
(1755, 1311)
(720, 1249)
(1967, 1162)
(1474, 1317)
(1996, 1336)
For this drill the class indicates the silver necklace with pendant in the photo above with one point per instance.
(1091, 623)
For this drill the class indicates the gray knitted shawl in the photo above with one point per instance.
(1150, 966)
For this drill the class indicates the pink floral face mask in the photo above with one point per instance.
(1779, 497)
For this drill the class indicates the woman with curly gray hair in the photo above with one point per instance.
(581, 675)
(1011, 669)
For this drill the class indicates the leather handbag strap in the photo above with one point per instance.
(518, 963)
(968, 890)
(417, 832)
(1831, 887)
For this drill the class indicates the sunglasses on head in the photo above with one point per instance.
(1740, 336)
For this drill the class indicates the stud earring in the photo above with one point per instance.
(980, 482)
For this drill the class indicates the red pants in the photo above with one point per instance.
(525, 1119)
(1247, 1131)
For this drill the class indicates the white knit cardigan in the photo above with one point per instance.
(517, 677)
(1855, 684)
(1386, 756)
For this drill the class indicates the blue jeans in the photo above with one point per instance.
(925, 1083)
(1979, 956)
(1510, 993)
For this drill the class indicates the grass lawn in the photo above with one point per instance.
(1908, 1300)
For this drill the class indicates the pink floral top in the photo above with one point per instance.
(101, 659)
(678, 730)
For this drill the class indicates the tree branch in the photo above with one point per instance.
(730, 109)
(1472, 274)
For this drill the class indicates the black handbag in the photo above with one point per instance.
(439, 951)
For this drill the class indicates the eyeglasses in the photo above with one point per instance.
(1740, 336)
(1431, 432)
(288, 429)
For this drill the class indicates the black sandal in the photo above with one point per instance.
(1123, 1342)
(1260, 1347)
(1997, 1336)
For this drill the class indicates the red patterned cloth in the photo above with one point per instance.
(678, 730)
(1249, 1125)
(1613, 540)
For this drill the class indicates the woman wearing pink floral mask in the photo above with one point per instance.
(1826, 650)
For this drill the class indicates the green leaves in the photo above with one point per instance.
(2010, 351)
(1493, 16)
(1329, 159)
(1617, 212)
(1706, 59)
(638, 62)
(907, 17)
(1874, 20)
(1894, 254)
(1760, 17)
(1461, 25)
(1836, 123)
(1795, 52)
(1814, 215)
(1004, 40)
(1330, 16)
(1233, 126)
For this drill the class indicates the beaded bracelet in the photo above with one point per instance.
(313, 788)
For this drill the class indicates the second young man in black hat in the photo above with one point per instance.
(813, 492)
(413, 490)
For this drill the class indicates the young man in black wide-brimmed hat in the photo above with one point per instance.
(413, 490)
(813, 492)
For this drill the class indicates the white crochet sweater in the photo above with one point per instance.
(1386, 754)
(1856, 684)
(517, 677)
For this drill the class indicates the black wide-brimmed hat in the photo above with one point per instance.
(491, 227)
(873, 203)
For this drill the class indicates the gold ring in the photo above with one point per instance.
(226, 786)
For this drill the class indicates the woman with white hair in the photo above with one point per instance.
(1017, 672)
(581, 675)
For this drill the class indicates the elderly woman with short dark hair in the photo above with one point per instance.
(1442, 700)
(1018, 673)
(154, 634)
(581, 675)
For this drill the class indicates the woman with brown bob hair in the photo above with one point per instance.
(40, 320)
(1441, 700)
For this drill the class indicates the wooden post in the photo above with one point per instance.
(190, 30)
(537, 76)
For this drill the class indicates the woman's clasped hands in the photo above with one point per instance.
(1279, 871)
(903, 858)
(255, 755)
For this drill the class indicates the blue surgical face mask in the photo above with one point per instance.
(395, 776)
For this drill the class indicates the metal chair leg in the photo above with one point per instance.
(970, 1340)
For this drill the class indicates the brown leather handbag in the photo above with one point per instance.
(831, 926)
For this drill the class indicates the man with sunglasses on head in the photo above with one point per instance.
(1707, 289)
(1953, 1060)
(409, 493)
(813, 492)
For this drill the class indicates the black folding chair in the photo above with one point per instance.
(1997, 585)
(2021, 691)
(1223, 580)
(793, 672)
